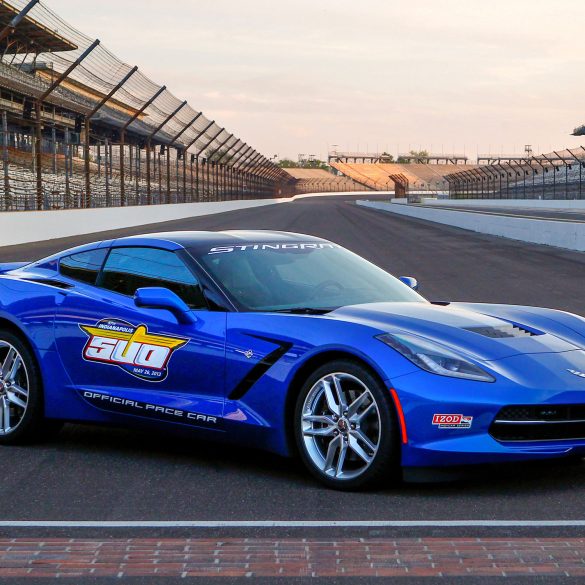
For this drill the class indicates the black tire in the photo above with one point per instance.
(384, 467)
(32, 425)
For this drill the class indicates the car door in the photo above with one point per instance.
(129, 360)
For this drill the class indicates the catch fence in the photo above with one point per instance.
(80, 128)
(553, 176)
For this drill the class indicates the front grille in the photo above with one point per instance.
(547, 422)
(503, 331)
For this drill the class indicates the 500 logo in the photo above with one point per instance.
(132, 348)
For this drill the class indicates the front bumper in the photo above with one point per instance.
(450, 422)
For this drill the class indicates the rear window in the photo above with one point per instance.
(84, 266)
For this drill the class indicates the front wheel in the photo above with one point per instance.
(21, 397)
(345, 427)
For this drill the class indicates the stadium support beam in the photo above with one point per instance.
(580, 163)
(109, 96)
(478, 179)
(167, 120)
(528, 161)
(238, 167)
(39, 128)
(216, 150)
(518, 169)
(87, 130)
(184, 154)
(228, 150)
(122, 142)
(68, 71)
(153, 134)
(485, 175)
(205, 160)
(243, 169)
(242, 159)
(566, 164)
(466, 182)
(506, 173)
(210, 142)
(234, 154)
(139, 112)
(235, 173)
(248, 169)
(539, 163)
(200, 135)
(252, 161)
(175, 138)
(13, 24)
(216, 165)
(195, 157)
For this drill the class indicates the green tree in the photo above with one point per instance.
(287, 163)
(414, 154)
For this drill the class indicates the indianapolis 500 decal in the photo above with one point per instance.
(132, 348)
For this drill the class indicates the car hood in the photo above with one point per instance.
(483, 337)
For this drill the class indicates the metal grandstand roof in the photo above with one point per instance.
(35, 36)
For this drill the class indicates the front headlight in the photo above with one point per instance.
(433, 358)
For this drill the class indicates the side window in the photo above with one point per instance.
(128, 269)
(84, 266)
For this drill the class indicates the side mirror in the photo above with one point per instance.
(163, 298)
(410, 281)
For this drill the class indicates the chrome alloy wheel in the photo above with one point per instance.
(341, 426)
(14, 386)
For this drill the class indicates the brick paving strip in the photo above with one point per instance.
(185, 557)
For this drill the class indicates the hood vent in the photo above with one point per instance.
(502, 331)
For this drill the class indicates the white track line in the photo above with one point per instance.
(293, 524)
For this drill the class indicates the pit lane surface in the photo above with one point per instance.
(92, 473)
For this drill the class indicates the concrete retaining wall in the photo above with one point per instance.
(562, 234)
(24, 227)
(34, 226)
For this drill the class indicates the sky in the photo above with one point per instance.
(301, 76)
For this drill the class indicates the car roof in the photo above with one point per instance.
(196, 239)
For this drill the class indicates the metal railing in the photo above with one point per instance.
(81, 128)
(554, 176)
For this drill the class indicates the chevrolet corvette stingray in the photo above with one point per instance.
(289, 343)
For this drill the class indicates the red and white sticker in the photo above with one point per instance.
(452, 421)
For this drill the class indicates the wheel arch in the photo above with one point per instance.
(20, 332)
(303, 372)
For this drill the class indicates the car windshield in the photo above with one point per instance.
(301, 277)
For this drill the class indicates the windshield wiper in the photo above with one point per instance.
(304, 311)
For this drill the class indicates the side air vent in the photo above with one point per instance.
(50, 282)
(503, 331)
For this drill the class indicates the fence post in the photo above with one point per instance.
(107, 154)
(7, 195)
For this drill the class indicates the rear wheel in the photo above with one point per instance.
(21, 396)
(345, 427)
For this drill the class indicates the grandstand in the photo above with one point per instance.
(81, 128)
(321, 181)
(419, 176)
(557, 175)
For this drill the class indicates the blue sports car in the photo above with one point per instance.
(289, 343)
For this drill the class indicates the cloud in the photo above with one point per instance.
(289, 75)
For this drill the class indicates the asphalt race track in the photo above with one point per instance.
(98, 474)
